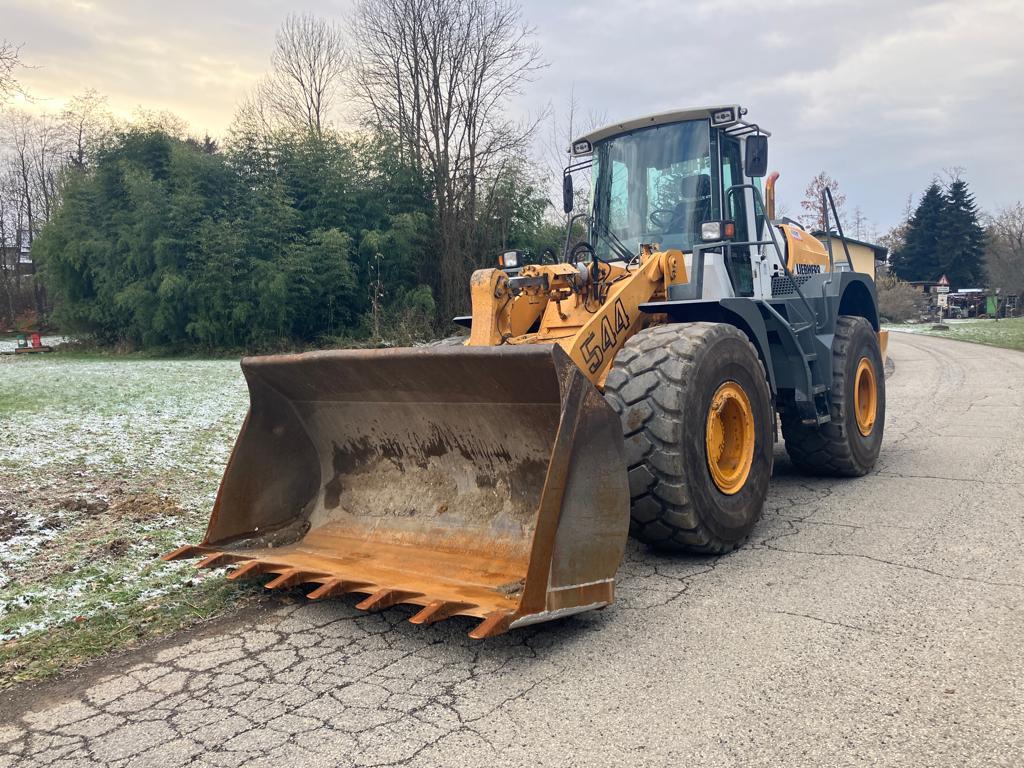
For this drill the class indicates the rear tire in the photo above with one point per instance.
(847, 446)
(668, 383)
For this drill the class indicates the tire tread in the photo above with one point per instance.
(825, 449)
(646, 389)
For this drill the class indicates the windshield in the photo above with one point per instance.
(655, 185)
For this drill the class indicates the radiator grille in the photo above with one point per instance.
(784, 286)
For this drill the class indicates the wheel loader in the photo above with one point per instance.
(635, 385)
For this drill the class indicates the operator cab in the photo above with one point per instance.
(669, 179)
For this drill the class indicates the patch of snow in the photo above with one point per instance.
(152, 426)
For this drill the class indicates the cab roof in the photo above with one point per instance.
(727, 116)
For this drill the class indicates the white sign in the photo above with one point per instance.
(942, 288)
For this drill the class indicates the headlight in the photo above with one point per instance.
(713, 231)
(509, 259)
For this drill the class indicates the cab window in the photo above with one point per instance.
(732, 173)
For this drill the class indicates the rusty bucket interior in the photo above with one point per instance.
(485, 482)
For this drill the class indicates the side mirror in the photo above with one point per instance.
(756, 164)
(568, 199)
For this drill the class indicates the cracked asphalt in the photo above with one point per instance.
(877, 621)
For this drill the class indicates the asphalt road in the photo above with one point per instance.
(877, 621)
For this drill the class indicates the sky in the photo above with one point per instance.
(884, 95)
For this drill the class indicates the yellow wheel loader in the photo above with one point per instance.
(634, 386)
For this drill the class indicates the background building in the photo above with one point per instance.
(866, 257)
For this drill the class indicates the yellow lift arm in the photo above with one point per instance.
(556, 303)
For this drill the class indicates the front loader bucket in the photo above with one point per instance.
(473, 481)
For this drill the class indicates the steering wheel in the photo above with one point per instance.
(656, 217)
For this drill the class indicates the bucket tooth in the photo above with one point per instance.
(183, 553)
(290, 578)
(438, 610)
(217, 559)
(252, 568)
(385, 598)
(333, 587)
(495, 623)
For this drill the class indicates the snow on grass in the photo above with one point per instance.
(1007, 333)
(124, 418)
(104, 465)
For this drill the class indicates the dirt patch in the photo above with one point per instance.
(55, 499)
(11, 523)
(52, 528)
(90, 505)
(145, 506)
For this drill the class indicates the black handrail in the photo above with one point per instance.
(826, 197)
(573, 218)
(759, 202)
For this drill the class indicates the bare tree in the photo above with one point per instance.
(10, 277)
(87, 123)
(33, 159)
(161, 120)
(253, 116)
(860, 223)
(566, 125)
(895, 238)
(307, 69)
(9, 62)
(439, 75)
(1004, 252)
(47, 146)
(19, 129)
(814, 211)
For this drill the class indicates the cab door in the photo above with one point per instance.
(740, 264)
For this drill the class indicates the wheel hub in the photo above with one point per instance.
(865, 396)
(729, 437)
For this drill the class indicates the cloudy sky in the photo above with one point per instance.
(882, 94)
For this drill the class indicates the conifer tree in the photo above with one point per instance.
(918, 258)
(961, 238)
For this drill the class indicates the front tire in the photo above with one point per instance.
(697, 417)
(848, 445)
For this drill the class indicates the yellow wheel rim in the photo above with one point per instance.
(865, 396)
(729, 437)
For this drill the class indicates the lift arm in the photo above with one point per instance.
(554, 304)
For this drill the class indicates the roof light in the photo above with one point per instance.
(582, 147)
(723, 116)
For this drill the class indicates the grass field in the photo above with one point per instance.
(106, 463)
(1008, 334)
